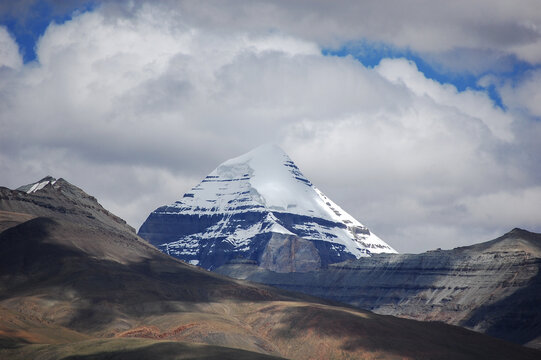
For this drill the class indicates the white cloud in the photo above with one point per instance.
(137, 108)
(9, 51)
(470, 103)
(400, 171)
(525, 94)
(519, 206)
(496, 26)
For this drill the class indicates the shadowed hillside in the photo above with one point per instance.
(492, 287)
(76, 282)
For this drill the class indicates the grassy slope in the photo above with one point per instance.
(129, 349)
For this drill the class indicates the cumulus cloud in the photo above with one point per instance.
(415, 163)
(519, 206)
(136, 103)
(424, 26)
(9, 51)
(524, 95)
(470, 103)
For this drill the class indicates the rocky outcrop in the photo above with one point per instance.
(59, 199)
(290, 253)
(493, 287)
(186, 236)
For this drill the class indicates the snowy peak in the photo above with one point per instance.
(249, 199)
(264, 177)
(268, 180)
(32, 188)
(270, 168)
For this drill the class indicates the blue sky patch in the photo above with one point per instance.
(27, 25)
(370, 55)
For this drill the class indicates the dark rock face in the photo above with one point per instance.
(493, 287)
(275, 251)
(59, 198)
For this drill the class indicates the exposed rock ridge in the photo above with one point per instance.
(492, 287)
(58, 198)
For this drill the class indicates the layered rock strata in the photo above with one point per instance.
(492, 287)
(259, 207)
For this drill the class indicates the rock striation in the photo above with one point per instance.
(492, 287)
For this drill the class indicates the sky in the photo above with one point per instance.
(422, 119)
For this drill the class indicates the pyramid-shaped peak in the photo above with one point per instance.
(268, 174)
(263, 152)
(268, 155)
(247, 206)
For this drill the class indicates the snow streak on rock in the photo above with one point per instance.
(242, 203)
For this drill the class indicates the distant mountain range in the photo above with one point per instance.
(257, 217)
(76, 282)
(259, 207)
(492, 287)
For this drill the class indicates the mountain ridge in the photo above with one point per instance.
(59, 198)
(491, 287)
(78, 286)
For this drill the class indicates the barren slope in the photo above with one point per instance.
(492, 287)
(66, 279)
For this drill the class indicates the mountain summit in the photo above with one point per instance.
(259, 207)
(58, 198)
(32, 188)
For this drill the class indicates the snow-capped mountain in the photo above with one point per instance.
(259, 207)
(32, 188)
